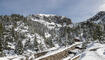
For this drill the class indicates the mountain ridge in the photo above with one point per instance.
(21, 35)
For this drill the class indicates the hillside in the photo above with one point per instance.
(36, 36)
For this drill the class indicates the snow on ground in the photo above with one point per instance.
(47, 15)
(45, 23)
(12, 57)
(57, 51)
(47, 35)
(88, 54)
(68, 57)
(99, 54)
(11, 45)
(92, 55)
(40, 40)
(50, 25)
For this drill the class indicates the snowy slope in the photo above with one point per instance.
(99, 54)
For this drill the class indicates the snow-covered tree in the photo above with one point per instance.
(19, 48)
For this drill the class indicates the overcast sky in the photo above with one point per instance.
(77, 10)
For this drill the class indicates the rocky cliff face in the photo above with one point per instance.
(38, 33)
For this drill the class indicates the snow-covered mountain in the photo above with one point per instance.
(44, 36)
(37, 33)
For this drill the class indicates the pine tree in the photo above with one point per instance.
(1, 40)
(1, 47)
(98, 33)
(35, 42)
(19, 48)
